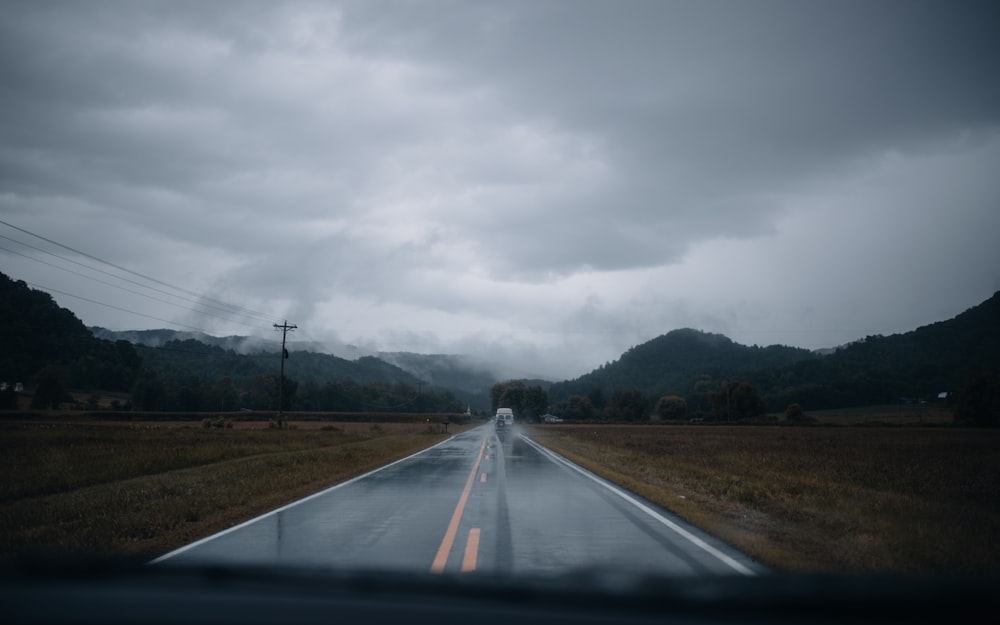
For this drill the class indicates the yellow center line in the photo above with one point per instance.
(471, 551)
(441, 559)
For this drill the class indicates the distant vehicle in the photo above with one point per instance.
(504, 418)
(551, 418)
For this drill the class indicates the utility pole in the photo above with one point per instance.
(285, 328)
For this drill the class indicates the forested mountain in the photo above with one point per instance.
(194, 358)
(677, 363)
(916, 365)
(43, 344)
(463, 374)
(50, 351)
(877, 369)
(452, 371)
(315, 381)
(235, 343)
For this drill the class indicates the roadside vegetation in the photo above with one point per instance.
(144, 488)
(813, 499)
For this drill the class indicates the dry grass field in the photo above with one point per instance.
(817, 499)
(814, 499)
(144, 488)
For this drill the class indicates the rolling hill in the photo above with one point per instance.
(916, 365)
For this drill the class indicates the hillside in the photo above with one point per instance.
(235, 343)
(195, 358)
(242, 357)
(51, 352)
(675, 362)
(916, 365)
(45, 343)
(451, 371)
(314, 381)
(913, 366)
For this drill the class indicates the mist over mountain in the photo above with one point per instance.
(235, 343)
(457, 372)
(462, 373)
(917, 365)
(244, 357)
(687, 362)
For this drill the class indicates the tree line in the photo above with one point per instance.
(734, 401)
(172, 391)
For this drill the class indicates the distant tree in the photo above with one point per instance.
(225, 394)
(627, 405)
(701, 393)
(509, 394)
(536, 402)
(190, 396)
(596, 397)
(513, 397)
(264, 392)
(51, 388)
(149, 392)
(978, 402)
(671, 407)
(737, 400)
(577, 408)
(309, 397)
(794, 414)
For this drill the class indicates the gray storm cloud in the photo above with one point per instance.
(562, 178)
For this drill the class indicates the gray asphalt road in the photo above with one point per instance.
(476, 502)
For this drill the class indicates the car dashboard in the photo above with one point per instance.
(77, 591)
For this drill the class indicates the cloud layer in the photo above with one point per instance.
(554, 182)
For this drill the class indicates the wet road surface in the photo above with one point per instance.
(480, 501)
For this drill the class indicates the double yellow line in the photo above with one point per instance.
(472, 543)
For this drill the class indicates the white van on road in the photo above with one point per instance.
(504, 418)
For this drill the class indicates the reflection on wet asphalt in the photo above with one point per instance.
(481, 500)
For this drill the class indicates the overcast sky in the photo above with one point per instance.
(546, 183)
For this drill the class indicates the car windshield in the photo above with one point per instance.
(449, 288)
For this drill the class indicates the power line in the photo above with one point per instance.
(225, 306)
(117, 277)
(93, 301)
(115, 286)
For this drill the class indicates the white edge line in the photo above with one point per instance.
(735, 565)
(234, 528)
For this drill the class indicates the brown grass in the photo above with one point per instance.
(888, 415)
(816, 499)
(145, 488)
(844, 499)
